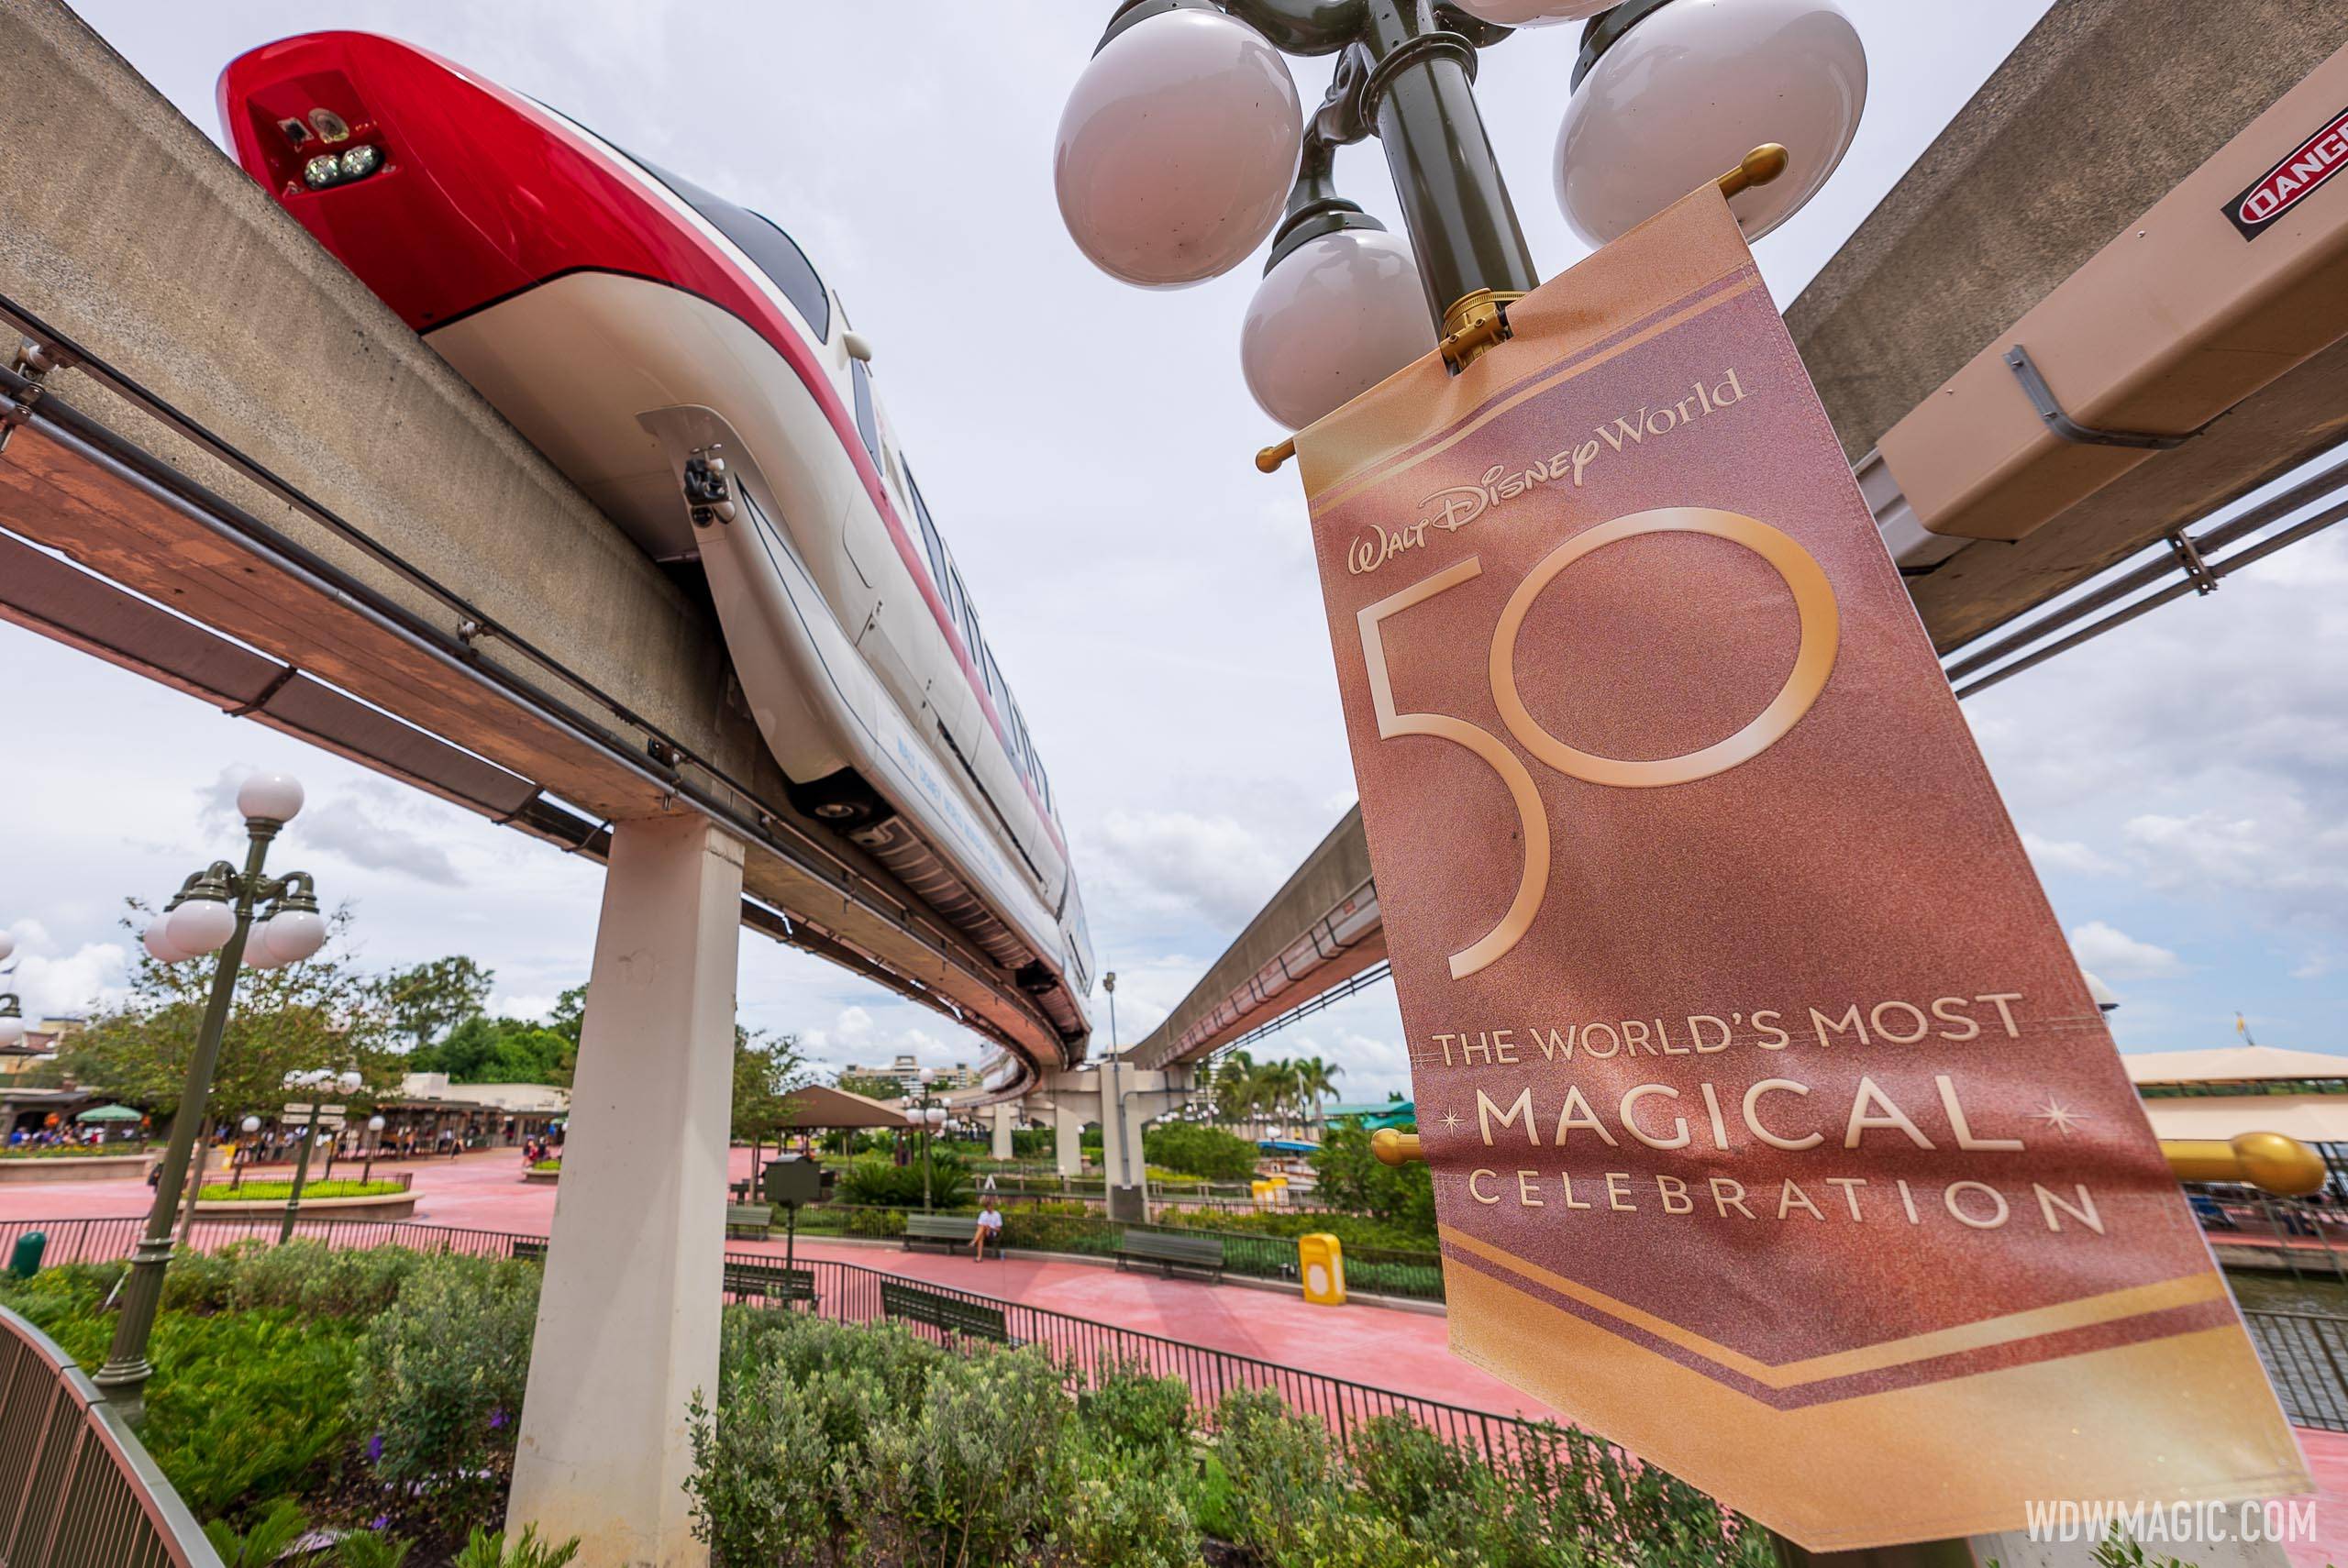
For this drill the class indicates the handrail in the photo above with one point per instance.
(77, 1488)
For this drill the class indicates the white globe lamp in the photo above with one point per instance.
(1176, 147)
(349, 1081)
(1670, 93)
(201, 925)
(156, 940)
(270, 797)
(257, 953)
(1531, 12)
(11, 1031)
(374, 1124)
(8, 946)
(1331, 318)
(292, 935)
(935, 1115)
(251, 1124)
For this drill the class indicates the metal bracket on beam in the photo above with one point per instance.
(2064, 427)
(2188, 558)
(34, 361)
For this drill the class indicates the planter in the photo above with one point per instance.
(74, 1168)
(548, 1177)
(384, 1205)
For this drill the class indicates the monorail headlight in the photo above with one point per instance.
(322, 171)
(359, 162)
(340, 169)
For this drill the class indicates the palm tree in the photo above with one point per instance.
(1317, 1080)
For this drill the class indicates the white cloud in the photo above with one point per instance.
(2066, 855)
(2109, 952)
(1212, 868)
(94, 975)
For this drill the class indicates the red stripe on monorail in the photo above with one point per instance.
(529, 208)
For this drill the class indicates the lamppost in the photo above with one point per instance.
(249, 1126)
(212, 913)
(374, 1142)
(12, 1022)
(317, 1082)
(1184, 146)
(929, 1116)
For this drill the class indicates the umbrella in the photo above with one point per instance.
(109, 1113)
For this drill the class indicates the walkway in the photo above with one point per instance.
(1401, 1350)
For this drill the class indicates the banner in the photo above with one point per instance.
(1774, 1135)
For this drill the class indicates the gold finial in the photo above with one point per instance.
(1397, 1148)
(1269, 459)
(1761, 165)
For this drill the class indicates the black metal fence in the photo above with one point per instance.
(1088, 1351)
(850, 1293)
(2307, 1356)
(1053, 1228)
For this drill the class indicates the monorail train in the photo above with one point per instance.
(680, 359)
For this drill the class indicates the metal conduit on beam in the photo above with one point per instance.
(25, 402)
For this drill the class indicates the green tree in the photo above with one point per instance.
(767, 1069)
(317, 1013)
(1349, 1177)
(424, 1001)
(871, 1086)
(570, 1012)
(499, 1051)
(1316, 1081)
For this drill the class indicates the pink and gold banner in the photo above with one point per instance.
(1774, 1135)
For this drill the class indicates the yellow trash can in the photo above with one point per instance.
(1323, 1262)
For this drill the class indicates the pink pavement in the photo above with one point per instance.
(1404, 1352)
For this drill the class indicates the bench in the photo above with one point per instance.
(948, 1314)
(770, 1282)
(948, 1230)
(530, 1248)
(748, 1218)
(1171, 1252)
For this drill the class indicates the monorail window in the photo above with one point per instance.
(774, 252)
(930, 542)
(868, 421)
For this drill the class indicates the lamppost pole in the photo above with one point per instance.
(212, 913)
(301, 1172)
(123, 1378)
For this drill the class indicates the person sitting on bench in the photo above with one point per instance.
(990, 1228)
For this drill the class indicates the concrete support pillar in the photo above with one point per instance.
(1068, 1140)
(1004, 1115)
(627, 1322)
(1120, 1152)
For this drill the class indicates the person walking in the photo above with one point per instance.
(990, 1228)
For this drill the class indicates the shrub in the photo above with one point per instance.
(1196, 1149)
(370, 1549)
(1137, 1412)
(484, 1549)
(1283, 1467)
(882, 1184)
(1350, 1176)
(1057, 1228)
(876, 1223)
(980, 1467)
(444, 1373)
(270, 1539)
(278, 1191)
(1123, 1511)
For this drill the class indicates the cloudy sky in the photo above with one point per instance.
(1085, 447)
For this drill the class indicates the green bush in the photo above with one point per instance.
(1349, 1177)
(1195, 1149)
(1057, 1228)
(1123, 1511)
(487, 1548)
(1135, 1411)
(444, 1373)
(876, 1223)
(884, 1185)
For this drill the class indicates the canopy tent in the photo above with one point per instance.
(2234, 1064)
(820, 1105)
(1375, 1113)
(109, 1113)
(2310, 1118)
(1285, 1146)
